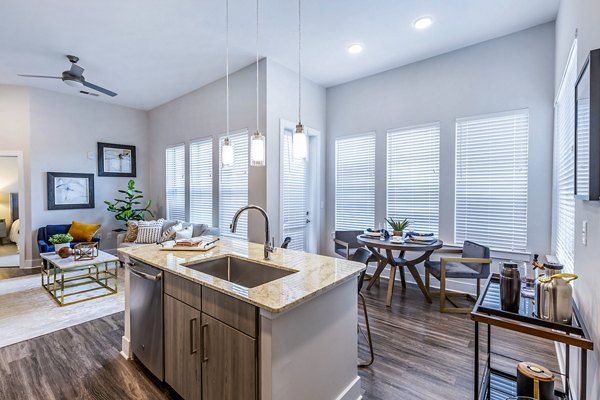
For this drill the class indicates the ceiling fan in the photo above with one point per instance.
(74, 77)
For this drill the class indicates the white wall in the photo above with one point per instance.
(201, 113)
(583, 16)
(282, 103)
(511, 72)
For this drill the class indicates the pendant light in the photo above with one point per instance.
(299, 138)
(257, 143)
(227, 147)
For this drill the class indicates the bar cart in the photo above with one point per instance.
(496, 384)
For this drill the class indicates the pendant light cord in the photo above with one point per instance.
(227, 61)
(299, 61)
(257, 120)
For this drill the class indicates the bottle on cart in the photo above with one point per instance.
(510, 286)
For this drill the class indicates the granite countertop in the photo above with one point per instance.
(316, 274)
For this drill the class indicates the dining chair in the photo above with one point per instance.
(362, 256)
(474, 263)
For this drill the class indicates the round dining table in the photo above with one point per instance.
(375, 245)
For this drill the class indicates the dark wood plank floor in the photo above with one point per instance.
(420, 354)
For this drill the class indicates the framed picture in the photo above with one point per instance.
(68, 191)
(116, 160)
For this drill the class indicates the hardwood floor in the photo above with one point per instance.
(14, 272)
(420, 354)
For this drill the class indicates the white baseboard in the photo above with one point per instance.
(353, 391)
(125, 348)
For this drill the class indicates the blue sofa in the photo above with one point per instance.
(45, 232)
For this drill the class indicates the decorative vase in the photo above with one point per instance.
(59, 246)
(398, 233)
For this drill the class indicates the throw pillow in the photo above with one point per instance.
(149, 231)
(186, 232)
(170, 233)
(83, 232)
(132, 231)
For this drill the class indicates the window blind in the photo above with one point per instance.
(294, 195)
(413, 185)
(491, 180)
(563, 204)
(233, 186)
(175, 182)
(355, 182)
(201, 182)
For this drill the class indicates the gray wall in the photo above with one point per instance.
(511, 72)
(583, 16)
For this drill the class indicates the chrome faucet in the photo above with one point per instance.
(269, 245)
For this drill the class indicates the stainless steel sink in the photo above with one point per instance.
(241, 272)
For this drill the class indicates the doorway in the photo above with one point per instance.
(300, 185)
(10, 243)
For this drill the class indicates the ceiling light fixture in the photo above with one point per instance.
(227, 147)
(423, 22)
(299, 138)
(257, 143)
(355, 48)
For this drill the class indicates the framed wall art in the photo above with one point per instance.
(116, 160)
(68, 191)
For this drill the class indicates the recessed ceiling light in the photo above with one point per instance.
(355, 48)
(423, 22)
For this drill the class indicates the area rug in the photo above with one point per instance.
(9, 261)
(28, 311)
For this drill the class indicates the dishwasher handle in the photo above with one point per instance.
(144, 275)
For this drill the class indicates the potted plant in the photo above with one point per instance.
(129, 208)
(398, 226)
(60, 240)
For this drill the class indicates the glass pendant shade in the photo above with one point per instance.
(300, 143)
(257, 150)
(227, 153)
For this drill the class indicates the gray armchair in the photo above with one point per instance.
(474, 263)
(345, 243)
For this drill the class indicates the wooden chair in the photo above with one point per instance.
(362, 256)
(474, 263)
(345, 243)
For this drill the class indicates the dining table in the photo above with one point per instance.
(423, 249)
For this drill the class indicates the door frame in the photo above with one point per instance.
(23, 222)
(313, 203)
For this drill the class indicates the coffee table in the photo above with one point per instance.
(59, 275)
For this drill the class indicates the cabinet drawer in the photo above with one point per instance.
(184, 290)
(235, 313)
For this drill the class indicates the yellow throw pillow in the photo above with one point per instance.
(83, 232)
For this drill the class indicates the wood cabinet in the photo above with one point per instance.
(211, 350)
(182, 348)
(229, 362)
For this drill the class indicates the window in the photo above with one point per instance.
(491, 180)
(294, 193)
(233, 186)
(355, 182)
(413, 185)
(201, 182)
(563, 203)
(175, 182)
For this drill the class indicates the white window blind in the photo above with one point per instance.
(355, 182)
(233, 186)
(294, 194)
(563, 204)
(413, 185)
(201, 182)
(175, 182)
(491, 180)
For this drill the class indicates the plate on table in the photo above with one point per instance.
(423, 239)
(396, 240)
(372, 234)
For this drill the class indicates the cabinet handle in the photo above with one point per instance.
(193, 348)
(204, 337)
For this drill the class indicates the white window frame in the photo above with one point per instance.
(205, 189)
(421, 165)
(517, 232)
(168, 210)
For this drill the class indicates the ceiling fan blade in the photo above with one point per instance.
(99, 89)
(76, 70)
(41, 76)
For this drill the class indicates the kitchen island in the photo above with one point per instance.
(294, 337)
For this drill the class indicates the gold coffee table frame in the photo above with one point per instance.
(60, 274)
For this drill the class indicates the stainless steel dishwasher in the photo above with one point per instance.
(146, 304)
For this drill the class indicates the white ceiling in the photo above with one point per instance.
(152, 51)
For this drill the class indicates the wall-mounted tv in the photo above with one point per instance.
(587, 129)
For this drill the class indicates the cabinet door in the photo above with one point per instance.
(182, 348)
(229, 364)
